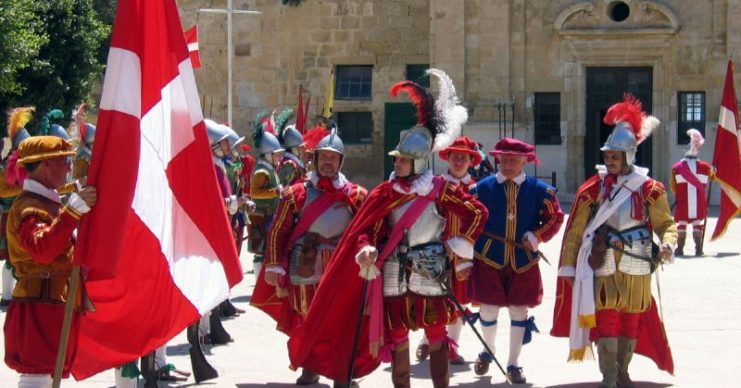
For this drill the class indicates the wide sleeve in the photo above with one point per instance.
(276, 251)
(550, 217)
(468, 213)
(581, 212)
(260, 186)
(659, 213)
(46, 238)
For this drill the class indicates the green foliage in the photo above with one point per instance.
(67, 64)
(21, 36)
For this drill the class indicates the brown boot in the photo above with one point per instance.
(626, 346)
(439, 365)
(307, 378)
(400, 368)
(607, 349)
(697, 236)
(681, 237)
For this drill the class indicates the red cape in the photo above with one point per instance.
(323, 342)
(652, 341)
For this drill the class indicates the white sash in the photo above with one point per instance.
(582, 302)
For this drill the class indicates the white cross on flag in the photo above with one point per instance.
(191, 37)
(157, 247)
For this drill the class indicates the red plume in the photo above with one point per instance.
(313, 136)
(422, 100)
(630, 111)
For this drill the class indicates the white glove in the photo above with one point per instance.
(366, 259)
(76, 202)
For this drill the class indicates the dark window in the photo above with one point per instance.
(547, 117)
(691, 114)
(354, 82)
(355, 127)
(416, 73)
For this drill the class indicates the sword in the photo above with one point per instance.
(518, 245)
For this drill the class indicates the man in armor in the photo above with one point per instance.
(291, 168)
(607, 260)
(40, 243)
(461, 156)
(523, 213)
(688, 183)
(264, 189)
(308, 223)
(401, 239)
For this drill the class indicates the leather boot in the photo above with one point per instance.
(439, 365)
(697, 236)
(607, 349)
(626, 346)
(400, 368)
(681, 237)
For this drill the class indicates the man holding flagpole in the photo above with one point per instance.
(40, 244)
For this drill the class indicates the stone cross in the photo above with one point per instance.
(230, 49)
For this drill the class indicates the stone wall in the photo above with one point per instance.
(496, 51)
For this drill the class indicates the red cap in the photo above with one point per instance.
(509, 146)
(466, 145)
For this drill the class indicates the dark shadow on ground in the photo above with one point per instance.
(242, 299)
(638, 384)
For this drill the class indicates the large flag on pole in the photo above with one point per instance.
(157, 245)
(329, 99)
(191, 38)
(727, 157)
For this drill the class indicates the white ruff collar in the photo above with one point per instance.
(422, 185)
(637, 170)
(518, 179)
(338, 182)
(465, 180)
(37, 188)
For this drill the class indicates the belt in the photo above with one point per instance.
(47, 275)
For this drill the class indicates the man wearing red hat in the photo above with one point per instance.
(523, 212)
(40, 244)
(461, 156)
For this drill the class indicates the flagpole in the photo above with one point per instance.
(66, 326)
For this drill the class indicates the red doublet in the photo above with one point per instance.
(288, 310)
(323, 343)
(691, 199)
(43, 235)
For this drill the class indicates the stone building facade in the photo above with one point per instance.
(544, 71)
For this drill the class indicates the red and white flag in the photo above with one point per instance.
(727, 157)
(157, 247)
(191, 38)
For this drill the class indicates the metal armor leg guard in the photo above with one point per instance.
(626, 346)
(219, 335)
(202, 370)
(607, 348)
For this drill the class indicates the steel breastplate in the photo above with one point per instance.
(425, 267)
(621, 219)
(427, 228)
(636, 246)
(333, 221)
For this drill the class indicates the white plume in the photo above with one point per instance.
(648, 125)
(451, 114)
(696, 141)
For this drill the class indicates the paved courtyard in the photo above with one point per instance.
(700, 302)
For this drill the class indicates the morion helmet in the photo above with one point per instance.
(632, 127)
(439, 121)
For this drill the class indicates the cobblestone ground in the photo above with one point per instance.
(699, 301)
